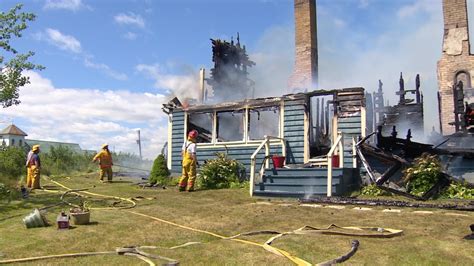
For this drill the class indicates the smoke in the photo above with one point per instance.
(274, 59)
(183, 86)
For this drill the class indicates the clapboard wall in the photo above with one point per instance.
(349, 121)
(241, 154)
(293, 130)
(177, 139)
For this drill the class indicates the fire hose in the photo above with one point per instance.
(376, 232)
(127, 251)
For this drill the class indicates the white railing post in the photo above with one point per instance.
(267, 151)
(252, 175)
(354, 154)
(341, 150)
(329, 182)
(283, 150)
(253, 159)
(330, 155)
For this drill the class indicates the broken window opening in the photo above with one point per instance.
(230, 126)
(264, 121)
(202, 122)
(321, 124)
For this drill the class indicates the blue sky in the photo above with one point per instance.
(110, 64)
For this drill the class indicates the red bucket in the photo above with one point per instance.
(335, 161)
(278, 161)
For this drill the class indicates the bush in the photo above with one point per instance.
(374, 191)
(458, 191)
(423, 174)
(5, 192)
(62, 160)
(12, 163)
(221, 172)
(159, 172)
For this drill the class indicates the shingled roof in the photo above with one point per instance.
(13, 130)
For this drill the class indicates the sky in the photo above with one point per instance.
(111, 64)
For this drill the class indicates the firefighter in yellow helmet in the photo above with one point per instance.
(33, 168)
(105, 163)
(189, 162)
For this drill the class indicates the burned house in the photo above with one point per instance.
(314, 131)
(229, 77)
(404, 116)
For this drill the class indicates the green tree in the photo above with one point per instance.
(12, 163)
(159, 172)
(13, 63)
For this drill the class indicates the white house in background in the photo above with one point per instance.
(12, 136)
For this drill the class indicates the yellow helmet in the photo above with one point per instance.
(105, 145)
(35, 147)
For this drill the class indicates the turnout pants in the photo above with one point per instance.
(188, 176)
(33, 176)
(106, 171)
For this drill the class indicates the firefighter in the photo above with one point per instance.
(33, 168)
(189, 162)
(105, 163)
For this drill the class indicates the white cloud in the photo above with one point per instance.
(183, 86)
(71, 44)
(105, 68)
(63, 41)
(72, 5)
(416, 7)
(130, 36)
(130, 19)
(90, 117)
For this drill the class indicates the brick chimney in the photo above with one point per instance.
(305, 72)
(456, 63)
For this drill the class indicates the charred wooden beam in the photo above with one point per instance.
(469, 206)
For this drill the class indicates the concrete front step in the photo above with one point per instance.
(293, 188)
(299, 180)
(284, 194)
(302, 171)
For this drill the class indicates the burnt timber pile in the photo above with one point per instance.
(229, 77)
(407, 114)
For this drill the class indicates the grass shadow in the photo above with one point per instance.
(35, 200)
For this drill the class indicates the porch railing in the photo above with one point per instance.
(253, 159)
(339, 146)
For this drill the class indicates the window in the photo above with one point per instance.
(264, 121)
(13, 142)
(470, 21)
(21, 142)
(202, 122)
(230, 126)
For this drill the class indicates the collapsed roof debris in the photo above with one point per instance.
(400, 153)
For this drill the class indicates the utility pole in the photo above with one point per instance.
(139, 142)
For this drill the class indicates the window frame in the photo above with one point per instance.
(246, 117)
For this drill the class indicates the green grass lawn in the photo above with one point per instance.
(428, 239)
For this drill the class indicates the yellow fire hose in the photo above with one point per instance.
(376, 232)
